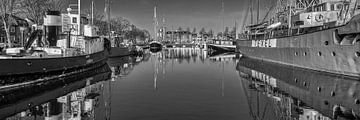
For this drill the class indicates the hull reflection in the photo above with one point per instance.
(28, 101)
(301, 93)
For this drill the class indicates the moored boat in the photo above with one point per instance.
(223, 45)
(324, 36)
(155, 45)
(76, 52)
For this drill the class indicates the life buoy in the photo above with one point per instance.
(319, 17)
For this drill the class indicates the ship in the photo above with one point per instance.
(155, 45)
(320, 35)
(297, 93)
(80, 49)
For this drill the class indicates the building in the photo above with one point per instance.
(18, 32)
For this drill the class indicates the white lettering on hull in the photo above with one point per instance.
(264, 43)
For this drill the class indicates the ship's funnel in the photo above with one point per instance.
(52, 23)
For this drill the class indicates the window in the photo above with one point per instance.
(12, 29)
(332, 7)
(74, 20)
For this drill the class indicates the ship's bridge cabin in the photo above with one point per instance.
(325, 14)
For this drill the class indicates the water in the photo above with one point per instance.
(187, 83)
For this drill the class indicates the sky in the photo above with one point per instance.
(179, 13)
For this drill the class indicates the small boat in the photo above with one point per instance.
(119, 51)
(223, 45)
(155, 45)
(75, 53)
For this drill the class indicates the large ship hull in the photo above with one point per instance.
(119, 51)
(26, 66)
(320, 51)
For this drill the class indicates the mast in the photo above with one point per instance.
(258, 12)
(236, 30)
(79, 20)
(108, 13)
(92, 12)
(155, 22)
(222, 17)
(251, 12)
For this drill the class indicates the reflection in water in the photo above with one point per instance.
(122, 66)
(297, 93)
(177, 84)
(75, 96)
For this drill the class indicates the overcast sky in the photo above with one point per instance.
(179, 13)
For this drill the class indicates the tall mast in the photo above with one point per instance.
(258, 12)
(222, 17)
(92, 12)
(79, 14)
(155, 22)
(236, 30)
(108, 13)
(251, 12)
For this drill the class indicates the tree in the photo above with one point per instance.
(120, 25)
(233, 33)
(194, 31)
(7, 8)
(180, 29)
(202, 31)
(211, 33)
(226, 32)
(36, 9)
(57, 5)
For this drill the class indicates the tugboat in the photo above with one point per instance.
(78, 51)
(312, 34)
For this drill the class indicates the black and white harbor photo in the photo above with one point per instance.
(179, 59)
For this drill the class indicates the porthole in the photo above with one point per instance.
(333, 54)
(319, 53)
(326, 42)
(357, 101)
(357, 54)
(332, 93)
(296, 53)
(305, 53)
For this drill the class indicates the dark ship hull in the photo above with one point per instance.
(31, 66)
(325, 50)
(119, 51)
(156, 45)
(332, 95)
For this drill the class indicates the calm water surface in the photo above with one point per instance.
(187, 84)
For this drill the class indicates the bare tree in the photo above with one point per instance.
(57, 5)
(36, 9)
(6, 12)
